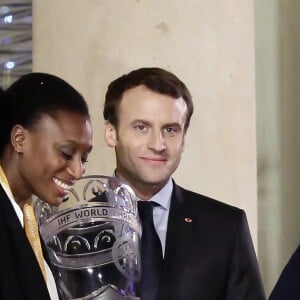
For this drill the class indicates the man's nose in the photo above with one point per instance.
(157, 141)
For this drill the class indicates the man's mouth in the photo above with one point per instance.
(154, 160)
(157, 158)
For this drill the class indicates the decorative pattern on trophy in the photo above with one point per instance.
(93, 240)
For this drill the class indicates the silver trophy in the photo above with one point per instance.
(93, 240)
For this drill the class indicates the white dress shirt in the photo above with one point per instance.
(161, 212)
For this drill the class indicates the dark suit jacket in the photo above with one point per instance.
(209, 253)
(288, 285)
(20, 274)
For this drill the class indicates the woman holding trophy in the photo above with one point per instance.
(45, 139)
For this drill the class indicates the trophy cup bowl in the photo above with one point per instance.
(92, 239)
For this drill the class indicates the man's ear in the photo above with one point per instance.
(17, 138)
(110, 134)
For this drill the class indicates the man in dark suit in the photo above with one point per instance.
(287, 286)
(206, 245)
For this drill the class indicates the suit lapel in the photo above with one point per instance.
(181, 225)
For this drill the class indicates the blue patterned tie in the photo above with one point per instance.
(151, 252)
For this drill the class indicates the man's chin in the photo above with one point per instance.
(155, 181)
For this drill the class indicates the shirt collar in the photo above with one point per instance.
(163, 197)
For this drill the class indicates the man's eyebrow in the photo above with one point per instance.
(173, 125)
(144, 122)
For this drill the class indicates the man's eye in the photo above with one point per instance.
(140, 127)
(171, 130)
